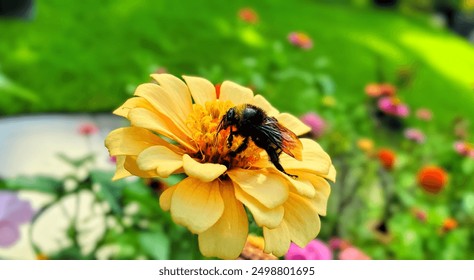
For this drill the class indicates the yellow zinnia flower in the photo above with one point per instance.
(174, 130)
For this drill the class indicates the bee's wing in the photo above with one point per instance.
(283, 138)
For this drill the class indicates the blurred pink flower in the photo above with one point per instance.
(424, 114)
(13, 213)
(337, 243)
(315, 250)
(315, 122)
(393, 106)
(419, 214)
(464, 149)
(248, 15)
(353, 253)
(301, 40)
(88, 129)
(415, 135)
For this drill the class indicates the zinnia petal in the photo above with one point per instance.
(263, 216)
(205, 172)
(131, 166)
(9, 233)
(268, 188)
(195, 204)
(164, 160)
(133, 140)
(261, 102)
(226, 238)
(302, 220)
(293, 123)
(201, 89)
(120, 171)
(140, 117)
(167, 104)
(165, 198)
(323, 189)
(134, 102)
(315, 159)
(178, 92)
(301, 185)
(277, 240)
(237, 94)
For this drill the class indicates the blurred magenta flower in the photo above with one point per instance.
(393, 106)
(414, 135)
(379, 90)
(419, 214)
(464, 149)
(13, 213)
(424, 114)
(353, 253)
(248, 15)
(301, 40)
(88, 129)
(315, 122)
(315, 250)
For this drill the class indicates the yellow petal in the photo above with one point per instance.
(165, 198)
(323, 190)
(332, 174)
(262, 103)
(263, 216)
(237, 94)
(133, 140)
(143, 118)
(177, 90)
(226, 238)
(315, 159)
(131, 103)
(166, 104)
(293, 123)
(160, 158)
(131, 166)
(269, 189)
(205, 172)
(302, 220)
(120, 171)
(277, 240)
(196, 205)
(201, 89)
(301, 184)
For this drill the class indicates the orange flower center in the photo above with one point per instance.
(212, 147)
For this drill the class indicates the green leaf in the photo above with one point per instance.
(36, 183)
(76, 162)
(156, 244)
(111, 192)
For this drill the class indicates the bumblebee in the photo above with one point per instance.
(251, 122)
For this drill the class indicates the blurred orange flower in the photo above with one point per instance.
(377, 90)
(387, 158)
(449, 224)
(248, 15)
(253, 249)
(366, 145)
(432, 179)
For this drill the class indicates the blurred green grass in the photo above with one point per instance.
(90, 56)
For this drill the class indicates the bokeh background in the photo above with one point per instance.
(387, 87)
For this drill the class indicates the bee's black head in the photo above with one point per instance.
(230, 118)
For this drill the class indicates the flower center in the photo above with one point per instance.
(212, 147)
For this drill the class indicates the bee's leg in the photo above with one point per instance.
(241, 148)
(230, 139)
(273, 154)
